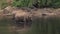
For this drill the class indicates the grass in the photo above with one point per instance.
(3, 4)
(39, 3)
(30, 3)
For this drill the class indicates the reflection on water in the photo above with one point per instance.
(50, 25)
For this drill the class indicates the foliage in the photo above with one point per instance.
(3, 4)
(39, 3)
(32, 3)
(23, 3)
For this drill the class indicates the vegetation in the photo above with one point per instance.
(36, 3)
(23, 3)
(3, 4)
(32, 3)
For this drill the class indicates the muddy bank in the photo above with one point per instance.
(34, 12)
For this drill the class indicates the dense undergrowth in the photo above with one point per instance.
(3, 4)
(32, 3)
(37, 3)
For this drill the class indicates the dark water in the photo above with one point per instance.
(4, 26)
(50, 25)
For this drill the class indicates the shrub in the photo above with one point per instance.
(23, 3)
(3, 4)
(36, 3)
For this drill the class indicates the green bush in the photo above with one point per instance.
(30, 3)
(40, 3)
(23, 3)
(3, 4)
